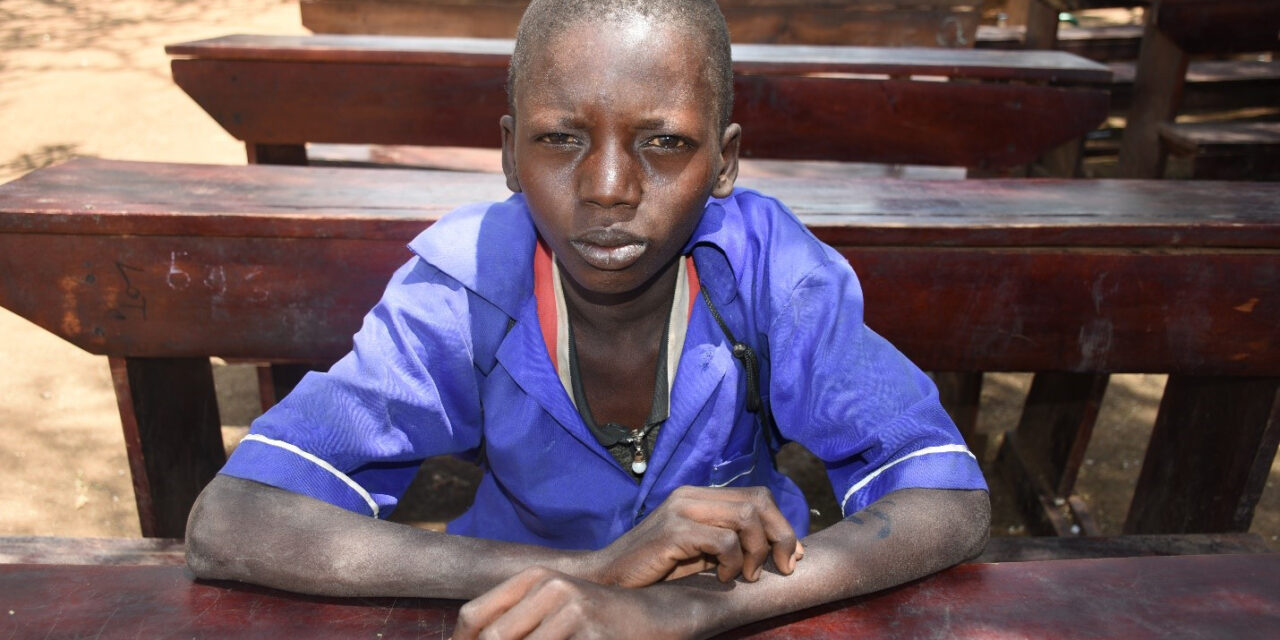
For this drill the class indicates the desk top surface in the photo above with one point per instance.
(1052, 66)
(1225, 596)
(106, 197)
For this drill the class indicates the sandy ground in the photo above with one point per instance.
(91, 78)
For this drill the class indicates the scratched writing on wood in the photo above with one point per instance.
(134, 300)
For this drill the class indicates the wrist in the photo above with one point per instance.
(585, 565)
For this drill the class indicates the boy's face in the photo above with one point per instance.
(616, 145)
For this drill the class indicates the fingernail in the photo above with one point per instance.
(755, 575)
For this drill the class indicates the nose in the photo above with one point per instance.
(608, 176)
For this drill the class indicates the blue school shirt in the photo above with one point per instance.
(452, 361)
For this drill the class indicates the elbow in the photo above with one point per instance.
(213, 534)
(973, 524)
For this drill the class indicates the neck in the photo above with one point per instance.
(622, 313)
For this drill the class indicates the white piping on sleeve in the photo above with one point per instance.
(946, 448)
(373, 506)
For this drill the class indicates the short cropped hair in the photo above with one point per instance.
(546, 17)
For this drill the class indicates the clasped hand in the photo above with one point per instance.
(734, 530)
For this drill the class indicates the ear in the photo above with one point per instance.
(508, 126)
(729, 144)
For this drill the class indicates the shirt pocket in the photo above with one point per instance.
(741, 470)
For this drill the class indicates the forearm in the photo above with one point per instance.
(906, 535)
(242, 530)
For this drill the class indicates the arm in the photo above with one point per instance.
(251, 532)
(905, 535)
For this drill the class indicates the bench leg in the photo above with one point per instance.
(172, 434)
(960, 393)
(275, 381)
(1209, 456)
(1157, 90)
(1042, 456)
(1042, 26)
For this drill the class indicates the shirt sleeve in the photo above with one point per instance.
(355, 435)
(855, 401)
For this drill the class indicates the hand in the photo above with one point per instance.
(697, 528)
(542, 603)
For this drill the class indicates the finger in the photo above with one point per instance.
(540, 602)
(752, 514)
(721, 543)
(562, 623)
(777, 530)
(480, 612)
(690, 567)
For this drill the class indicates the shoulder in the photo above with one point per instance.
(768, 249)
(484, 247)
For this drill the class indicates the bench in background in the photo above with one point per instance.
(160, 266)
(997, 109)
(919, 23)
(1175, 31)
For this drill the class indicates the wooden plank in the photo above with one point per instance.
(1198, 480)
(1220, 26)
(751, 59)
(1023, 549)
(94, 551)
(919, 23)
(1237, 138)
(1157, 91)
(172, 434)
(254, 281)
(1235, 596)
(1209, 86)
(847, 119)
(111, 197)
(1103, 44)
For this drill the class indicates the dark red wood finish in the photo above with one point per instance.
(141, 261)
(450, 92)
(1224, 596)
(930, 23)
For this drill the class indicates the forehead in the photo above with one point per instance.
(634, 60)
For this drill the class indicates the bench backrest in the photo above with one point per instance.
(920, 23)
(998, 109)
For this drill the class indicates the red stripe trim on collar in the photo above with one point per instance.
(545, 295)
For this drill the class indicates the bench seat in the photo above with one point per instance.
(1226, 150)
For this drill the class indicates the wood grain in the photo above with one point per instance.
(1235, 596)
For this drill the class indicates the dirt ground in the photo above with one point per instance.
(91, 78)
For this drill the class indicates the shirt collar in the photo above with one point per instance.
(489, 247)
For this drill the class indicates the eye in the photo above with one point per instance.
(667, 142)
(557, 138)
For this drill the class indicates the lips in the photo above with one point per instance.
(609, 249)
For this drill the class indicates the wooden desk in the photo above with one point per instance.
(920, 23)
(995, 109)
(1225, 596)
(160, 266)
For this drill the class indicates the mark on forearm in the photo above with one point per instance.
(885, 527)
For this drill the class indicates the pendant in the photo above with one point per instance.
(638, 463)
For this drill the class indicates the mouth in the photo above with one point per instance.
(609, 249)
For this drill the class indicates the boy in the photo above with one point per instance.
(621, 344)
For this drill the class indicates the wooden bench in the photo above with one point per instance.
(160, 266)
(1175, 31)
(998, 109)
(1214, 596)
(919, 23)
